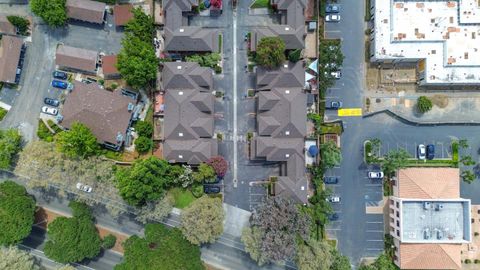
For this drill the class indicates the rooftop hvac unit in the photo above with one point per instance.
(438, 207)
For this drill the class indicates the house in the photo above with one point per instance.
(109, 67)
(11, 51)
(122, 14)
(282, 127)
(428, 220)
(6, 27)
(76, 59)
(188, 113)
(86, 10)
(107, 114)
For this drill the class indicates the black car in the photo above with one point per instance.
(211, 189)
(332, 9)
(60, 75)
(333, 216)
(51, 102)
(430, 151)
(330, 180)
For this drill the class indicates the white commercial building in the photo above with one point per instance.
(442, 37)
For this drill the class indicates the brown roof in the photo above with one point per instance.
(76, 58)
(86, 10)
(429, 183)
(5, 26)
(109, 65)
(104, 112)
(10, 48)
(122, 13)
(430, 256)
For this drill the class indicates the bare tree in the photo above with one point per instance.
(12, 258)
(155, 211)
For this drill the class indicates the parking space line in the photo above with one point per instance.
(375, 249)
(374, 222)
(333, 229)
(375, 231)
(373, 185)
(372, 240)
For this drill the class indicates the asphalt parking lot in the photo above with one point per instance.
(442, 148)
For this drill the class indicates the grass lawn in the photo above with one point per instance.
(3, 112)
(261, 4)
(182, 197)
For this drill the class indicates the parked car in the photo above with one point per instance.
(59, 84)
(51, 102)
(332, 18)
(430, 151)
(83, 187)
(335, 105)
(333, 216)
(330, 180)
(333, 199)
(336, 74)
(332, 9)
(211, 189)
(60, 75)
(375, 175)
(49, 110)
(421, 151)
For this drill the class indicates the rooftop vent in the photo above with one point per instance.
(130, 107)
(181, 30)
(179, 67)
(180, 156)
(287, 92)
(287, 132)
(302, 188)
(287, 155)
(180, 93)
(287, 28)
(180, 134)
(285, 65)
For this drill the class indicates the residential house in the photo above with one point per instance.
(6, 27)
(86, 10)
(109, 67)
(11, 51)
(282, 127)
(76, 59)
(122, 14)
(107, 114)
(428, 220)
(188, 113)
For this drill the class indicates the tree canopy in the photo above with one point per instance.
(51, 11)
(424, 104)
(17, 209)
(21, 23)
(270, 52)
(202, 221)
(143, 144)
(10, 144)
(161, 249)
(219, 164)
(331, 154)
(340, 262)
(78, 142)
(144, 128)
(314, 255)
(141, 25)
(12, 258)
(205, 173)
(394, 160)
(383, 262)
(155, 211)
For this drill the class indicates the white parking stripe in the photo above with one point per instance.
(375, 231)
(375, 222)
(381, 240)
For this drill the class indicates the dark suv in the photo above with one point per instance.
(330, 180)
(430, 151)
(211, 189)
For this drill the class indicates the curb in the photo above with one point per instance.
(415, 123)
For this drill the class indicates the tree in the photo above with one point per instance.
(185, 179)
(313, 255)
(155, 211)
(53, 12)
(108, 241)
(219, 164)
(463, 143)
(12, 258)
(144, 128)
(467, 161)
(383, 262)
(202, 221)
(20, 23)
(80, 210)
(10, 142)
(468, 176)
(73, 239)
(252, 239)
(295, 55)
(330, 60)
(78, 142)
(17, 209)
(270, 52)
(280, 223)
(320, 209)
(145, 181)
(394, 160)
(161, 249)
(205, 173)
(339, 262)
(143, 144)
(331, 154)
(141, 25)
(424, 104)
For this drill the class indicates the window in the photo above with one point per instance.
(398, 233)
(398, 205)
(398, 214)
(391, 202)
(398, 223)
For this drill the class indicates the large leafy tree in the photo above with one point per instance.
(17, 210)
(331, 59)
(205, 173)
(73, 239)
(320, 208)
(202, 221)
(340, 262)
(383, 262)
(78, 142)
(51, 11)
(331, 154)
(155, 211)
(10, 142)
(252, 239)
(145, 181)
(144, 128)
(12, 258)
(141, 25)
(270, 52)
(161, 249)
(313, 255)
(394, 160)
(21, 23)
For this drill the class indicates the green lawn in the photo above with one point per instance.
(261, 4)
(3, 112)
(182, 197)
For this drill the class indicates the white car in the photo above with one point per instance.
(333, 199)
(421, 151)
(83, 187)
(49, 110)
(336, 74)
(375, 175)
(332, 18)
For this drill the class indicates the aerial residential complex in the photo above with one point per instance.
(440, 37)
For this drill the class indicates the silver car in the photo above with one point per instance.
(421, 151)
(83, 187)
(375, 175)
(49, 110)
(332, 18)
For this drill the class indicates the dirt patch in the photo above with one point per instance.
(440, 101)
(120, 238)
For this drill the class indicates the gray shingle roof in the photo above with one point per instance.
(186, 75)
(76, 58)
(288, 75)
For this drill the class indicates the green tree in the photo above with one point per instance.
(78, 142)
(202, 221)
(252, 239)
(467, 161)
(205, 173)
(463, 143)
(108, 241)
(161, 249)
(51, 11)
(270, 52)
(424, 104)
(295, 55)
(468, 176)
(340, 262)
(320, 209)
(313, 255)
(145, 181)
(80, 210)
(141, 25)
(12, 258)
(205, 60)
(383, 262)
(17, 210)
(144, 128)
(330, 60)
(10, 142)
(73, 239)
(143, 144)
(155, 211)
(394, 160)
(331, 154)
(21, 23)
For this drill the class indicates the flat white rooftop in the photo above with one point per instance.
(445, 33)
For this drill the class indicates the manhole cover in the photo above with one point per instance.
(378, 100)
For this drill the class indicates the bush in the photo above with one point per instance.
(109, 241)
(197, 190)
(114, 86)
(143, 144)
(218, 69)
(21, 23)
(476, 234)
(295, 55)
(43, 132)
(53, 12)
(219, 164)
(424, 104)
(476, 261)
(270, 52)
(3, 112)
(468, 261)
(144, 128)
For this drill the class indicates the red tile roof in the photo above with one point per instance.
(430, 256)
(429, 183)
(122, 13)
(109, 65)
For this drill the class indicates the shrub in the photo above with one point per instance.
(144, 128)
(468, 261)
(3, 112)
(270, 52)
(476, 234)
(476, 261)
(197, 190)
(424, 104)
(219, 164)
(21, 23)
(143, 144)
(109, 241)
(295, 55)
